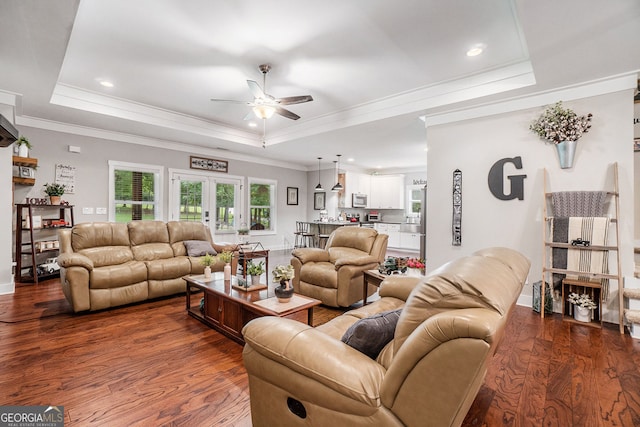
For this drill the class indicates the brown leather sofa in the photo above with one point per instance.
(106, 264)
(334, 274)
(427, 375)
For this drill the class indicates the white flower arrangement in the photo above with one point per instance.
(557, 124)
(582, 300)
(283, 272)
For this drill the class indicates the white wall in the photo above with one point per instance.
(92, 177)
(6, 202)
(474, 145)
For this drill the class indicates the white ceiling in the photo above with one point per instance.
(373, 67)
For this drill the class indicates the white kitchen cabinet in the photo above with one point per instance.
(392, 230)
(387, 192)
(358, 183)
(410, 241)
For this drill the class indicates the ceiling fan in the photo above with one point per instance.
(265, 105)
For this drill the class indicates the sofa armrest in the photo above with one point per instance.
(222, 247)
(67, 260)
(311, 255)
(398, 286)
(356, 261)
(287, 342)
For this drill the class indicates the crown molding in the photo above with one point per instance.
(146, 141)
(588, 89)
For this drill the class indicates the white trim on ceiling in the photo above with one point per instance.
(568, 93)
(149, 142)
(490, 82)
(73, 97)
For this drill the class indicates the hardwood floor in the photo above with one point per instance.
(151, 364)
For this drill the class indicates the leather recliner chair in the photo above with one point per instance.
(334, 274)
(428, 375)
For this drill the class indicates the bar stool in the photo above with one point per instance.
(324, 231)
(303, 236)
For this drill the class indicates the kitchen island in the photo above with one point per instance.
(322, 229)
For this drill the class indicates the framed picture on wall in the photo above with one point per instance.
(319, 200)
(292, 195)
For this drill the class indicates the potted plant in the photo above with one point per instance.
(207, 260)
(283, 274)
(255, 271)
(561, 127)
(54, 191)
(583, 306)
(243, 231)
(226, 257)
(23, 146)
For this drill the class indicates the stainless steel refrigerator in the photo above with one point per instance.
(423, 223)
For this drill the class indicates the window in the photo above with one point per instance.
(134, 191)
(415, 199)
(262, 204)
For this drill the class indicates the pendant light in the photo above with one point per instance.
(338, 186)
(319, 186)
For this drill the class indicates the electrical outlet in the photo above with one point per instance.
(101, 211)
(87, 211)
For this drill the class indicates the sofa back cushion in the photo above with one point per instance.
(179, 231)
(149, 240)
(476, 281)
(353, 237)
(105, 243)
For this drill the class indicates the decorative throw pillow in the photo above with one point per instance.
(199, 248)
(371, 334)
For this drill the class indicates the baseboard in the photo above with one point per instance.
(8, 288)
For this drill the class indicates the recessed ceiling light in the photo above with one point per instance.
(252, 124)
(476, 50)
(106, 83)
(426, 149)
(350, 159)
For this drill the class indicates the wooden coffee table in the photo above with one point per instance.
(227, 310)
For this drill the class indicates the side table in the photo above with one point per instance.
(370, 277)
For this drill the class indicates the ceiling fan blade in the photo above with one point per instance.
(288, 100)
(250, 116)
(255, 89)
(286, 113)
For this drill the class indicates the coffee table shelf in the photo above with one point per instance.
(227, 310)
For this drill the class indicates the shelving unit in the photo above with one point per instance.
(36, 238)
(586, 281)
(25, 162)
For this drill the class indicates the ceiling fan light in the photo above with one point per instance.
(264, 111)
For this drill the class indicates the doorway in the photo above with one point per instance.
(213, 199)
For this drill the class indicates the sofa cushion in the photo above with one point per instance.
(360, 238)
(199, 248)
(478, 281)
(98, 234)
(371, 334)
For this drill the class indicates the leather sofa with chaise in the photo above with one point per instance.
(106, 264)
(429, 373)
(334, 274)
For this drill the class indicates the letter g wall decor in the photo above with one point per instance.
(496, 180)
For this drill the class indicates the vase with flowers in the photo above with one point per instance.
(226, 257)
(207, 260)
(583, 305)
(562, 127)
(416, 264)
(283, 274)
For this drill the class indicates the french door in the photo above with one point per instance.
(208, 198)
